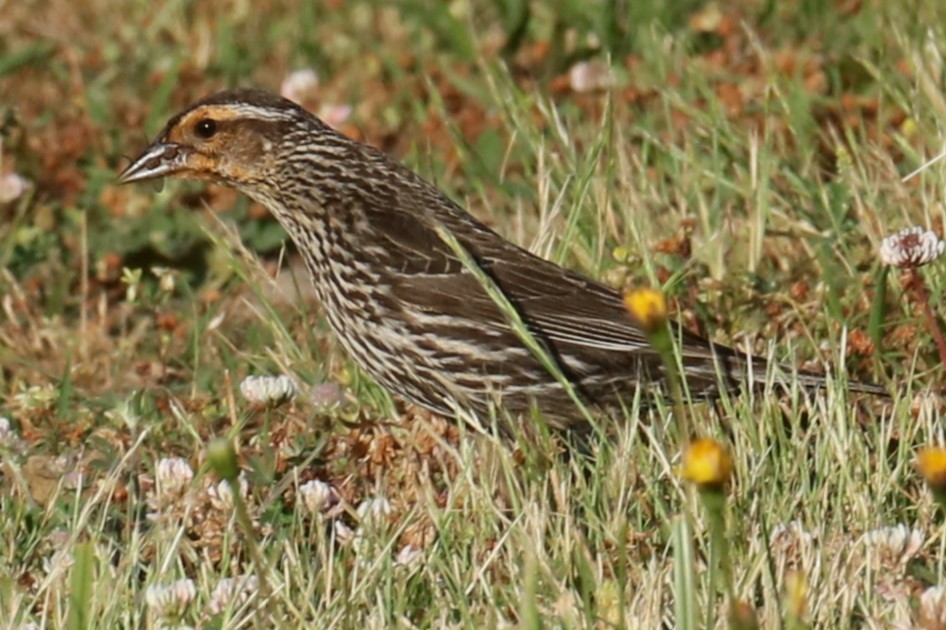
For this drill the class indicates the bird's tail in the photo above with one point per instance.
(810, 380)
(735, 369)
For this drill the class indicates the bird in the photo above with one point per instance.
(405, 303)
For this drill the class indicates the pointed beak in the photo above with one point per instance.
(159, 160)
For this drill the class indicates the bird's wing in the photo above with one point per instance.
(573, 315)
(576, 315)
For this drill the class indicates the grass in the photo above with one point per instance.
(748, 162)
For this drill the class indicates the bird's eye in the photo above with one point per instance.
(206, 128)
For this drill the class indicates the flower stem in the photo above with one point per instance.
(923, 299)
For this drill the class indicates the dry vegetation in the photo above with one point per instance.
(746, 160)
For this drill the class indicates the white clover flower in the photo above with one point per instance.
(895, 545)
(7, 434)
(60, 561)
(590, 76)
(166, 279)
(791, 544)
(221, 495)
(10, 439)
(268, 390)
(326, 395)
(933, 607)
(12, 186)
(233, 592)
(408, 555)
(316, 495)
(171, 600)
(300, 86)
(911, 247)
(786, 534)
(124, 413)
(333, 114)
(173, 475)
(344, 534)
(37, 397)
(374, 510)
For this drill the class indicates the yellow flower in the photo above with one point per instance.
(909, 127)
(707, 464)
(931, 462)
(796, 594)
(648, 307)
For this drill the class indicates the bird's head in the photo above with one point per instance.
(233, 137)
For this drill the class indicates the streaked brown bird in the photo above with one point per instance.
(403, 304)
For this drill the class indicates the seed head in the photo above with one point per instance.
(223, 458)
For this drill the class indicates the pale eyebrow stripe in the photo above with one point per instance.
(262, 113)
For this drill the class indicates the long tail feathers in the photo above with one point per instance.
(817, 381)
(735, 369)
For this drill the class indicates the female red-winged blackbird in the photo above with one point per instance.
(401, 301)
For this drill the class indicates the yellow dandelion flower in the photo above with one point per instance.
(931, 462)
(796, 594)
(706, 463)
(648, 307)
(909, 127)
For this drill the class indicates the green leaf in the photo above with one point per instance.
(878, 307)
(81, 584)
(684, 582)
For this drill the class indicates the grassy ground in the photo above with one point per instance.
(748, 161)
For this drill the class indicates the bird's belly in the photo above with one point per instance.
(378, 341)
(442, 372)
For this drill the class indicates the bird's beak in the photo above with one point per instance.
(159, 160)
